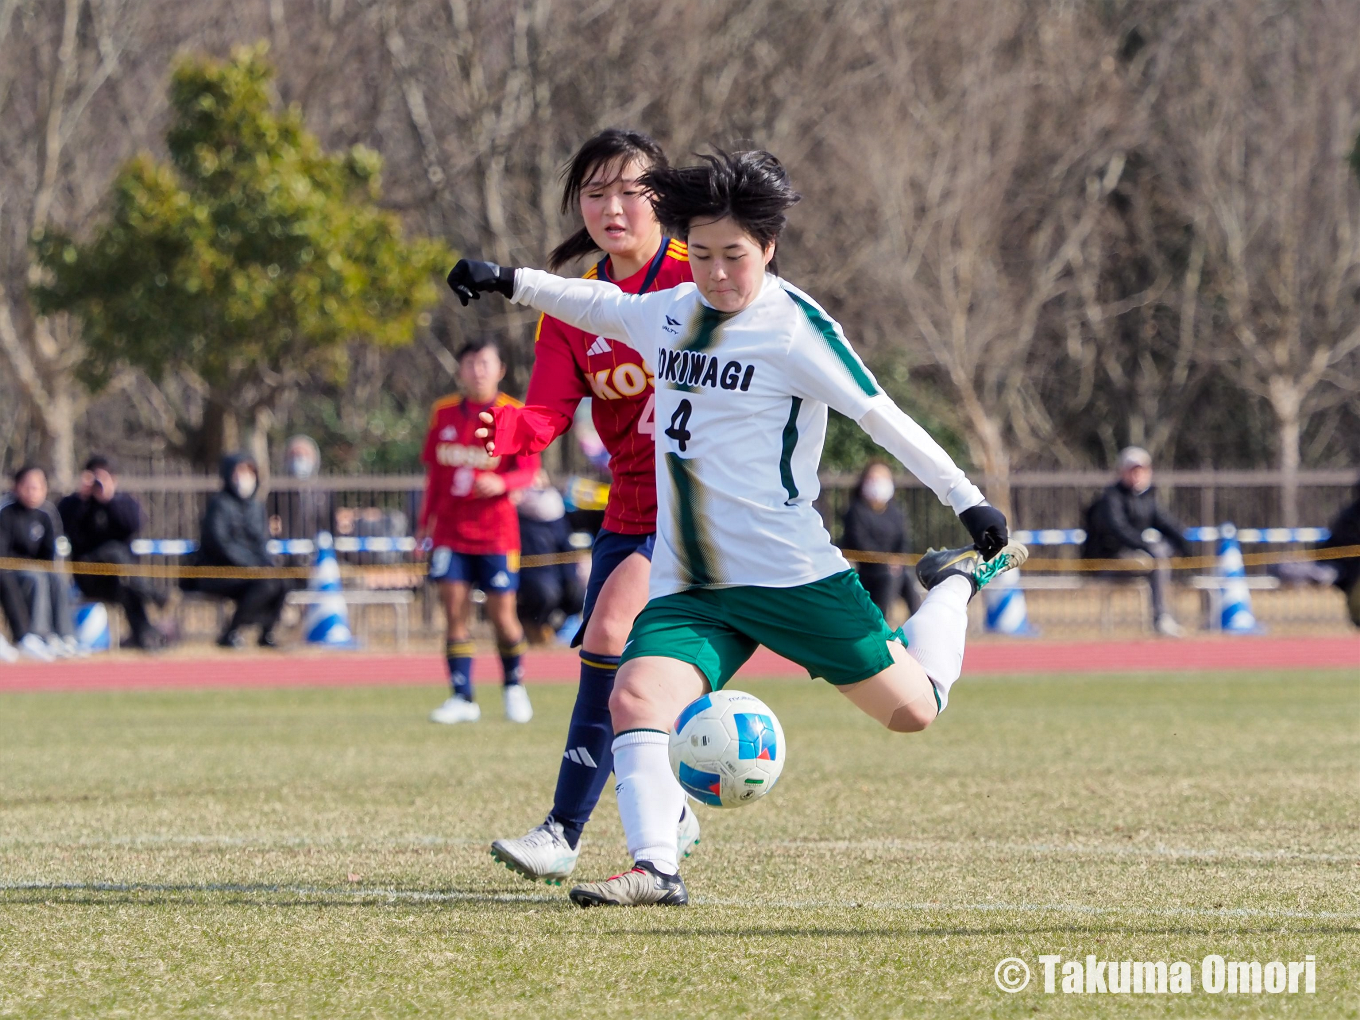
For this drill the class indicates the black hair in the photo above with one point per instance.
(751, 187)
(100, 461)
(617, 146)
(28, 469)
(478, 343)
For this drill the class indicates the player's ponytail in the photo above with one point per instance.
(613, 146)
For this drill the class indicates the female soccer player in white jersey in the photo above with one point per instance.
(746, 365)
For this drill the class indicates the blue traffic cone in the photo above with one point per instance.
(327, 620)
(1236, 616)
(92, 626)
(1006, 609)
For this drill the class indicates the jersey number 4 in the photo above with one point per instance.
(679, 426)
(646, 425)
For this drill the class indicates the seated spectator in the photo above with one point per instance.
(874, 523)
(35, 601)
(549, 594)
(1346, 532)
(236, 534)
(303, 512)
(100, 523)
(1126, 523)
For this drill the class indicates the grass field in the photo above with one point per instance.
(323, 853)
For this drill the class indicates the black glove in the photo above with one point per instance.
(987, 525)
(469, 280)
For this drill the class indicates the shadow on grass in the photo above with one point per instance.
(689, 923)
(256, 894)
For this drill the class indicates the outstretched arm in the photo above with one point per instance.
(825, 367)
(592, 305)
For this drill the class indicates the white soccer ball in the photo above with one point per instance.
(727, 749)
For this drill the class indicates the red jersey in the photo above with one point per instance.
(571, 364)
(454, 457)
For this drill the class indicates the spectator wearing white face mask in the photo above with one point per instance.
(874, 523)
(304, 511)
(236, 534)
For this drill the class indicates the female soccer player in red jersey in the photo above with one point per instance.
(570, 365)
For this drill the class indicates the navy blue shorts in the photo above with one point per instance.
(491, 572)
(610, 549)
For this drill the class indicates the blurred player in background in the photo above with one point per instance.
(471, 520)
(570, 365)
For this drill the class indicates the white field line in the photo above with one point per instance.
(351, 844)
(1074, 849)
(392, 895)
(252, 842)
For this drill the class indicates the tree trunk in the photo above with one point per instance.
(58, 419)
(990, 454)
(259, 446)
(220, 434)
(1285, 400)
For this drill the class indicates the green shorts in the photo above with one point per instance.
(829, 627)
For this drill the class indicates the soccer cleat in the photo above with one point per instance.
(517, 707)
(687, 837)
(456, 710)
(541, 855)
(966, 561)
(643, 886)
(8, 653)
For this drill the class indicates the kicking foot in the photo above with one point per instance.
(456, 710)
(687, 837)
(540, 855)
(517, 707)
(937, 564)
(641, 887)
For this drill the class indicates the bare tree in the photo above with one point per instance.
(976, 230)
(1263, 115)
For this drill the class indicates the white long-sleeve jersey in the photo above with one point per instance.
(741, 408)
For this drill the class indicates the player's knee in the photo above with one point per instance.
(606, 634)
(628, 704)
(912, 718)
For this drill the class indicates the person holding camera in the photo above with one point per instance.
(100, 524)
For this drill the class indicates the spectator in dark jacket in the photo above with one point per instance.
(100, 524)
(874, 523)
(35, 601)
(548, 591)
(1126, 523)
(236, 534)
(1346, 532)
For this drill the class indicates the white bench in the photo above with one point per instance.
(1213, 587)
(398, 598)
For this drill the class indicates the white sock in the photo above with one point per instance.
(650, 799)
(936, 633)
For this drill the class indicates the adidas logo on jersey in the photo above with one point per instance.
(581, 757)
(600, 346)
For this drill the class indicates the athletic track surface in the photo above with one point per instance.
(345, 669)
